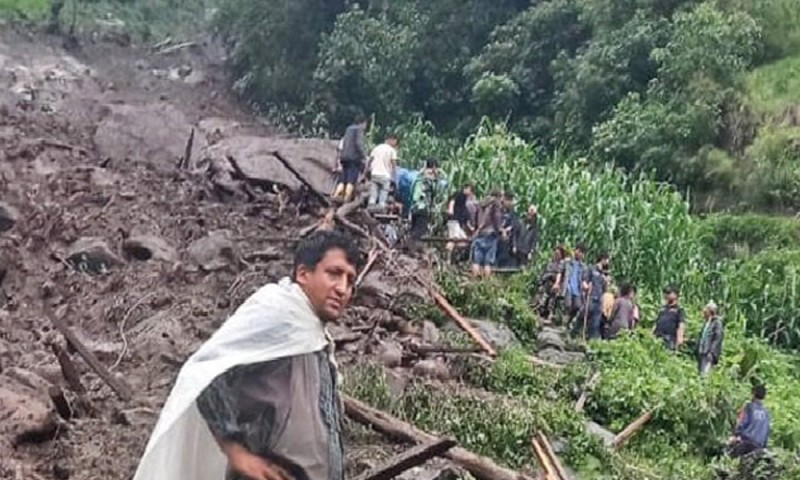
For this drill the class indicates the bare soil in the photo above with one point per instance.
(90, 140)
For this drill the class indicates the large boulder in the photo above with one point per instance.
(161, 333)
(498, 334)
(559, 357)
(156, 133)
(550, 337)
(8, 217)
(92, 255)
(215, 251)
(597, 430)
(312, 158)
(390, 353)
(149, 247)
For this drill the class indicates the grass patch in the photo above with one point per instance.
(27, 9)
(773, 87)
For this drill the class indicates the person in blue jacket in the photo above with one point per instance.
(753, 428)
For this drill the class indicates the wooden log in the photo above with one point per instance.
(586, 389)
(462, 322)
(372, 258)
(68, 370)
(122, 390)
(544, 461)
(631, 429)
(480, 467)
(409, 459)
(445, 240)
(548, 449)
(322, 198)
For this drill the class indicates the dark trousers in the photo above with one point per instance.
(419, 224)
(742, 448)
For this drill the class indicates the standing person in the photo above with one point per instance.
(709, 349)
(753, 428)
(568, 283)
(259, 399)
(547, 292)
(527, 237)
(351, 159)
(671, 321)
(621, 317)
(484, 245)
(459, 223)
(595, 284)
(510, 230)
(423, 198)
(383, 162)
(637, 316)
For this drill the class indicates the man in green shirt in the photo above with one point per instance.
(709, 348)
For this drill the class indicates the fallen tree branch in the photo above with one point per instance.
(432, 349)
(462, 322)
(548, 467)
(631, 429)
(548, 449)
(371, 258)
(409, 459)
(175, 48)
(122, 390)
(480, 467)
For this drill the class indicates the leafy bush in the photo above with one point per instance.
(741, 235)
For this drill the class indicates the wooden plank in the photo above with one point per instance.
(631, 429)
(586, 389)
(409, 459)
(544, 461)
(545, 443)
(480, 467)
(122, 390)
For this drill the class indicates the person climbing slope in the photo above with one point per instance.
(351, 159)
(259, 399)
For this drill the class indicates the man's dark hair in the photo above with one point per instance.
(466, 186)
(580, 246)
(431, 163)
(360, 118)
(392, 136)
(759, 392)
(671, 289)
(312, 249)
(626, 289)
(508, 195)
(603, 256)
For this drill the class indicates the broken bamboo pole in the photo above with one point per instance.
(549, 470)
(409, 459)
(371, 258)
(122, 390)
(631, 429)
(480, 467)
(586, 390)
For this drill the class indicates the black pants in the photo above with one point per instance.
(745, 447)
(419, 224)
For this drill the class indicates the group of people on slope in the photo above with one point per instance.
(594, 308)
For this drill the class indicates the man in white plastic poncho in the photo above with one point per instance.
(259, 400)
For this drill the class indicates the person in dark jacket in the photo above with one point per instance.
(595, 284)
(753, 428)
(423, 198)
(509, 232)
(671, 321)
(709, 348)
(489, 226)
(527, 237)
(352, 156)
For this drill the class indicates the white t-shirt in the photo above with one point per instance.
(384, 156)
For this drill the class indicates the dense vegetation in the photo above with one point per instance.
(703, 94)
(748, 264)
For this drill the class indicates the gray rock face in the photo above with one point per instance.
(499, 335)
(8, 217)
(149, 247)
(559, 357)
(92, 255)
(593, 428)
(391, 354)
(24, 418)
(432, 369)
(551, 338)
(433, 469)
(215, 251)
(430, 333)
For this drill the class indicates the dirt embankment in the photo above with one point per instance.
(108, 225)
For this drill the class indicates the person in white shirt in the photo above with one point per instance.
(383, 161)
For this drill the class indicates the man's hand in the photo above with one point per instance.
(253, 466)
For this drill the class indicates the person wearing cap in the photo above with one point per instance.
(709, 348)
(671, 321)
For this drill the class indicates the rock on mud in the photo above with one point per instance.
(432, 369)
(155, 133)
(554, 355)
(499, 335)
(215, 251)
(149, 247)
(391, 354)
(24, 418)
(552, 338)
(8, 217)
(92, 255)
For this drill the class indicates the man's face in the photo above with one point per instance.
(468, 192)
(392, 142)
(329, 286)
(579, 254)
(605, 263)
(672, 298)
